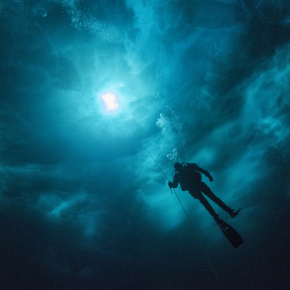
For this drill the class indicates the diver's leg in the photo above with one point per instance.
(207, 191)
(206, 204)
(198, 195)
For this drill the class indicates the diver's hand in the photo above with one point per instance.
(210, 178)
(170, 184)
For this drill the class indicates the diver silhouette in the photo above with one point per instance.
(189, 178)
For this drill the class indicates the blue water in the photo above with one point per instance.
(84, 197)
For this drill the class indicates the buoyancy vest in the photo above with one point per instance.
(188, 177)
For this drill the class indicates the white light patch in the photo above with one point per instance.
(110, 101)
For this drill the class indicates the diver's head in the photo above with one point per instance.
(177, 166)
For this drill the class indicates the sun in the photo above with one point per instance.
(110, 101)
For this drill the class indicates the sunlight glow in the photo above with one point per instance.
(110, 101)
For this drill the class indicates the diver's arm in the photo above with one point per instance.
(173, 184)
(207, 174)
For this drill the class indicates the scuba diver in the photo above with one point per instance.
(189, 178)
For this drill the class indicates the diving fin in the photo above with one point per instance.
(230, 233)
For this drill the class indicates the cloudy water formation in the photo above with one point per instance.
(89, 88)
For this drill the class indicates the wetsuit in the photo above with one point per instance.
(190, 179)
